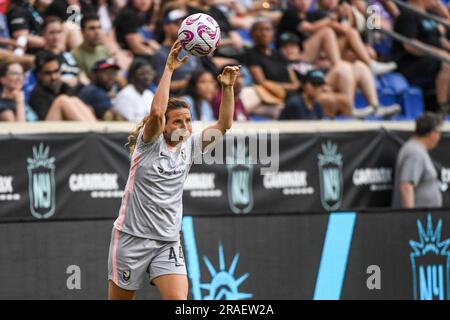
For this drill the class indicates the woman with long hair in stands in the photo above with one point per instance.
(145, 242)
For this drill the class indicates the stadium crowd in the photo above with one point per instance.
(100, 60)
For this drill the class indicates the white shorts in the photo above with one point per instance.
(134, 261)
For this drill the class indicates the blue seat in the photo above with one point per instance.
(255, 117)
(394, 81)
(412, 102)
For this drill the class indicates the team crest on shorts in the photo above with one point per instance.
(126, 275)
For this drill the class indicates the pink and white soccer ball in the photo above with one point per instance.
(199, 34)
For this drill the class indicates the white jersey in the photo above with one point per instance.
(152, 204)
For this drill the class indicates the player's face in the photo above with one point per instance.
(178, 125)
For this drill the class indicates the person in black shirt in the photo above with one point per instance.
(25, 20)
(127, 26)
(305, 105)
(51, 98)
(294, 19)
(418, 67)
(266, 65)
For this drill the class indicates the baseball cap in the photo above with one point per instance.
(288, 37)
(174, 15)
(104, 64)
(315, 77)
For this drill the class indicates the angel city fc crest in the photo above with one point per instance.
(330, 175)
(41, 182)
(240, 178)
(430, 262)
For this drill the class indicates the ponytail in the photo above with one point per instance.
(132, 138)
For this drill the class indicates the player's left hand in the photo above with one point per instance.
(229, 75)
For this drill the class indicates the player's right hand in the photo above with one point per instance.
(173, 60)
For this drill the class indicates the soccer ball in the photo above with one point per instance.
(199, 34)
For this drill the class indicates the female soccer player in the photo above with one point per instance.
(145, 242)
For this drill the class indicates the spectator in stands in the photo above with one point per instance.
(319, 32)
(257, 8)
(416, 179)
(107, 10)
(103, 89)
(70, 13)
(52, 32)
(133, 101)
(128, 24)
(306, 105)
(25, 22)
(342, 80)
(51, 98)
(231, 43)
(12, 101)
(200, 90)
(180, 78)
(92, 49)
(240, 113)
(419, 67)
(266, 65)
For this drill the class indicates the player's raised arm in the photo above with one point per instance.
(226, 112)
(156, 121)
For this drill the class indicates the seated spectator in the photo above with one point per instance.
(266, 65)
(240, 113)
(70, 13)
(262, 8)
(12, 101)
(127, 24)
(133, 101)
(305, 105)
(231, 43)
(418, 67)
(180, 77)
(342, 79)
(106, 11)
(25, 21)
(52, 32)
(99, 94)
(91, 50)
(200, 91)
(51, 98)
(317, 32)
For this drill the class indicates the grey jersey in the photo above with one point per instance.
(414, 165)
(152, 203)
